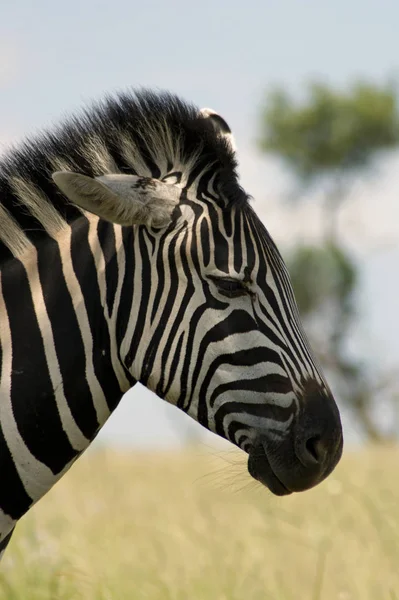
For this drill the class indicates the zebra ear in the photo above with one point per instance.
(122, 199)
(220, 125)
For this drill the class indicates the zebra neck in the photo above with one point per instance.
(96, 274)
(59, 372)
(153, 309)
(57, 336)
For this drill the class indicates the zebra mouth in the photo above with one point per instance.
(260, 469)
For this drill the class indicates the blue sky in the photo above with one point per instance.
(54, 57)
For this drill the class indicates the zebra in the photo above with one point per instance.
(130, 253)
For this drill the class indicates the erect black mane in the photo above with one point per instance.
(154, 124)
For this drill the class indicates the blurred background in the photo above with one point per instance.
(310, 90)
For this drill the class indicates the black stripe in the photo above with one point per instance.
(205, 242)
(228, 218)
(86, 273)
(231, 434)
(167, 309)
(125, 302)
(14, 500)
(174, 365)
(34, 408)
(250, 245)
(5, 541)
(221, 246)
(183, 401)
(280, 414)
(178, 315)
(238, 244)
(272, 383)
(142, 307)
(67, 338)
(283, 315)
(106, 236)
(160, 272)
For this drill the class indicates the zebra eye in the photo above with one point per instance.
(229, 287)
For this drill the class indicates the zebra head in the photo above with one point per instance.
(209, 318)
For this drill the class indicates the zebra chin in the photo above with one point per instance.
(260, 469)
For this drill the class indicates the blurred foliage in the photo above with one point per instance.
(331, 136)
(331, 130)
(321, 273)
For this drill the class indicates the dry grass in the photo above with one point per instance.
(189, 527)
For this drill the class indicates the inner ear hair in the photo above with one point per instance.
(121, 199)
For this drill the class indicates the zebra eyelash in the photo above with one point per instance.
(229, 286)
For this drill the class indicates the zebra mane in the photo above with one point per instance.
(146, 133)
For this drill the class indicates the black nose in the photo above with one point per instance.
(309, 452)
(318, 433)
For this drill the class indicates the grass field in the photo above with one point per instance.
(193, 526)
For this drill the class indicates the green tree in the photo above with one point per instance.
(326, 140)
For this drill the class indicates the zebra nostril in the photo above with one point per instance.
(310, 451)
(312, 447)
